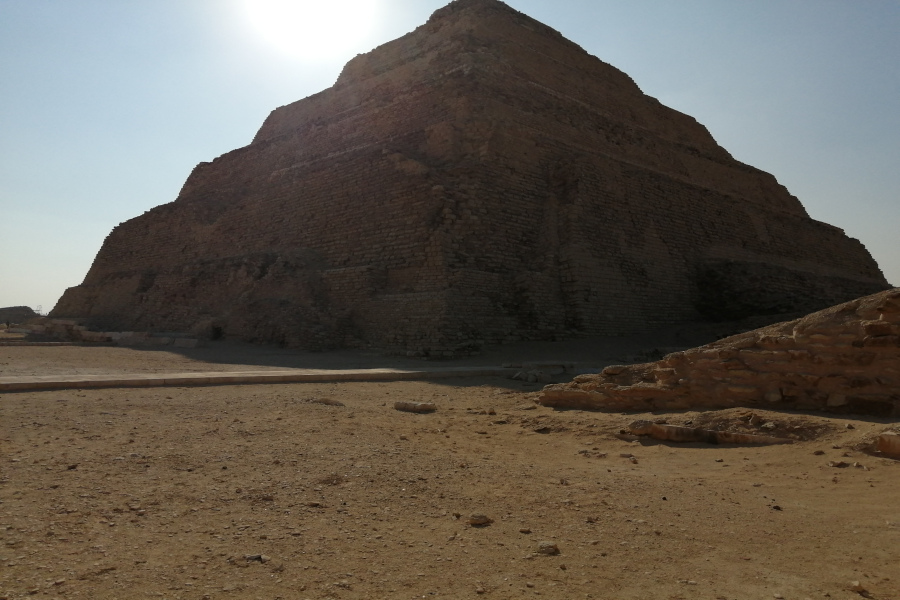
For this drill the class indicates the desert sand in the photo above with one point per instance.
(326, 491)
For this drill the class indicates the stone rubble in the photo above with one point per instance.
(844, 359)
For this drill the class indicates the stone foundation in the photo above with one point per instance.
(845, 359)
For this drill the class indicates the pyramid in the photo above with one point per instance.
(478, 180)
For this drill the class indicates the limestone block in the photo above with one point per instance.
(882, 341)
(613, 370)
(666, 376)
(775, 341)
(878, 328)
(773, 396)
(741, 391)
(888, 443)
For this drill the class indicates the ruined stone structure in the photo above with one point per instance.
(843, 359)
(481, 179)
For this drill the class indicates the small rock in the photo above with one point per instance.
(480, 590)
(838, 464)
(857, 587)
(415, 407)
(548, 549)
(257, 557)
(819, 452)
(326, 401)
(849, 426)
(479, 520)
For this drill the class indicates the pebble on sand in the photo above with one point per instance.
(479, 520)
(548, 548)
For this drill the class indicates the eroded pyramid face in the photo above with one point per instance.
(481, 179)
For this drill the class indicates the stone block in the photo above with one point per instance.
(888, 443)
(877, 328)
(882, 341)
(773, 396)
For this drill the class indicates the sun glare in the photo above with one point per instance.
(313, 31)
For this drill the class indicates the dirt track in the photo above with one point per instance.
(266, 492)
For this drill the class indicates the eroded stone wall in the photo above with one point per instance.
(843, 359)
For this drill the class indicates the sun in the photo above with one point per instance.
(314, 31)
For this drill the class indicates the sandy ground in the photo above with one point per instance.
(587, 354)
(325, 491)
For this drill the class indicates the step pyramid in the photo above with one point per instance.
(481, 179)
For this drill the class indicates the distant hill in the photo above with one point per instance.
(16, 314)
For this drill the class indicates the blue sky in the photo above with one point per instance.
(107, 105)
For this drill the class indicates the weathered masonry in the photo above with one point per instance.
(481, 179)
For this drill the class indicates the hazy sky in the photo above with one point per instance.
(107, 105)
